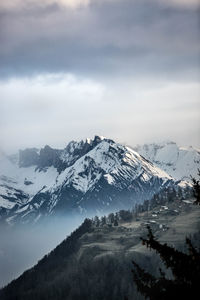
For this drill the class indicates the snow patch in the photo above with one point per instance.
(109, 178)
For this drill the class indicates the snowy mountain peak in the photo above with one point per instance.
(179, 162)
(91, 176)
(109, 172)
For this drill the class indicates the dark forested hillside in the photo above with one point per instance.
(94, 262)
(65, 273)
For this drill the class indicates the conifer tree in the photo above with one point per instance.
(196, 189)
(185, 269)
(103, 220)
(115, 222)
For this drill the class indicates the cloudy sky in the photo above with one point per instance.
(125, 69)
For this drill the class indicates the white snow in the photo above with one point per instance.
(187, 201)
(118, 164)
(179, 162)
(88, 140)
(13, 178)
(22, 209)
(109, 178)
(16, 177)
(6, 203)
(104, 158)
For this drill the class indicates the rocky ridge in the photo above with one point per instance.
(87, 177)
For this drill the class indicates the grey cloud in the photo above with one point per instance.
(104, 38)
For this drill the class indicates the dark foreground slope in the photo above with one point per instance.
(95, 262)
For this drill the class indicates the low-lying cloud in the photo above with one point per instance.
(22, 247)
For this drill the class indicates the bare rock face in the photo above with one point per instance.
(28, 157)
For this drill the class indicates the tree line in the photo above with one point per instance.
(164, 197)
(185, 267)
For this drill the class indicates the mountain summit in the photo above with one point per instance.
(179, 162)
(89, 177)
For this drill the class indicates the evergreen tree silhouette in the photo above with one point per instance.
(196, 189)
(185, 269)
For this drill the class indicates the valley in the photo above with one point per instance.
(99, 257)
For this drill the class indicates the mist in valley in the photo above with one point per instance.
(22, 246)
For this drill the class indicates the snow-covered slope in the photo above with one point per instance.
(88, 177)
(179, 162)
(29, 179)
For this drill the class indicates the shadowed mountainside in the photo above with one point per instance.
(95, 262)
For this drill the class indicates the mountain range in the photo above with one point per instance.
(179, 162)
(95, 176)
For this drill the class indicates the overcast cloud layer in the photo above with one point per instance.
(129, 37)
(127, 69)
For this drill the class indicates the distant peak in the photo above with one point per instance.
(47, 147)
(99, 138)
(88, 141)
(168, 142)
(163, 143)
